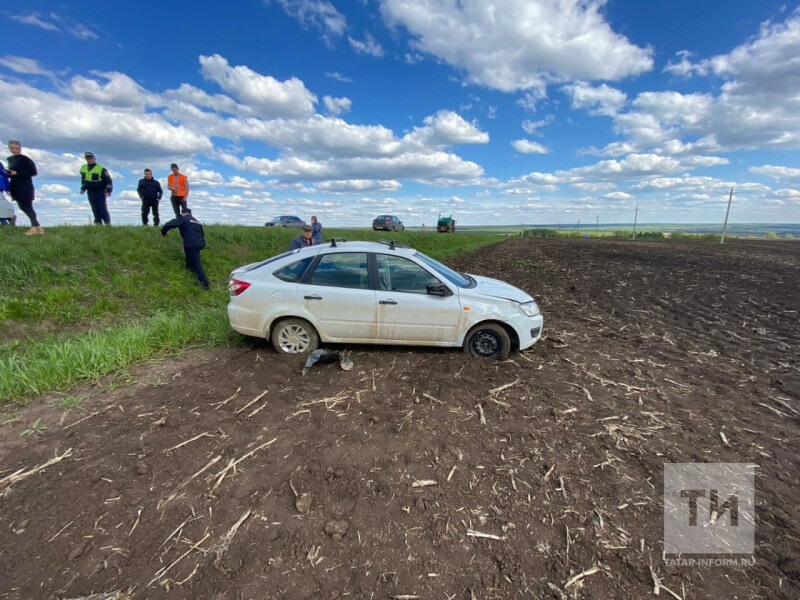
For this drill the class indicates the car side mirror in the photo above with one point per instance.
(439, 289)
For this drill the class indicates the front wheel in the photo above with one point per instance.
(488, 340)
(294, 336)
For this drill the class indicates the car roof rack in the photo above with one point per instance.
(333, 241)
(392, 244)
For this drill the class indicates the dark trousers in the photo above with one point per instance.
(193, 263)
(147, 204)
(99, 204)
(177, 202)
(26, 206)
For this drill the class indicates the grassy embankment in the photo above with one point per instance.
(79, 303)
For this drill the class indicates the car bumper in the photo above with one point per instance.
(529, 329)
(246, 321)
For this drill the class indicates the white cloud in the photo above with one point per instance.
(358, 186)
(529, 147)
(778, 173)
(337, 106)
(119, 90)
(55, 188)
(446, 128)
(318, 14)
(531, 127)
(26, 66)
(515, 45)
(33, 19)
(600, 100)
(82, 32)
(271, 97)
(107, 130)
(339, 77)
(368, 46)
(618, 196)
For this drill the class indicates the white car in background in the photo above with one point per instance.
(378, 293)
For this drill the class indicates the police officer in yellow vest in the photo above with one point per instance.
(178, 186)
(97, 184)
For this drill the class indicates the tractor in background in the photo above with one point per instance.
(446, 224)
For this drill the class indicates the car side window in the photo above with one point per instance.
(294, 271)
(345, 269)
(397, 274)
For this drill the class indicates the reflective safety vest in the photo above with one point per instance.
(180, 189)
(95, 173)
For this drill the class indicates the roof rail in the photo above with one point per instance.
(392, 244)
(333, 241)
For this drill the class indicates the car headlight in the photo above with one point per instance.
(530, 309)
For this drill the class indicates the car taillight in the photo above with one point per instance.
(236, 287)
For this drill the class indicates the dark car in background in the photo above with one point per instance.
(387, 223)
(285, 221)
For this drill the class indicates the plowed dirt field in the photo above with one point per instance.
(421, 473)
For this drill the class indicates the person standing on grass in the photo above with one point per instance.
(316, 231)
(21, 171)
(178, 186)
(193, 241)
(150, 193)
(97, 184)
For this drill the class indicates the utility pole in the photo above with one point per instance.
(635, 218)
(727, 212)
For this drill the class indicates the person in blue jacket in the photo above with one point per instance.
(316, 231)
(193, 241)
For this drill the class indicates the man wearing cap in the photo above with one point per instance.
(303, 240)
(193, 241)
(178, 186)
(97, 184)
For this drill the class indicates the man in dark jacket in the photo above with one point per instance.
(193, 241)
(97, 184)
(303, 240)
(150, 193)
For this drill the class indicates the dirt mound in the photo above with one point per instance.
(426, 474)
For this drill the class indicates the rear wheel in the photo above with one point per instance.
(294, 336)
(393, 229)
(488, 340)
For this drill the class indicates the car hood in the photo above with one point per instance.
(498, 289)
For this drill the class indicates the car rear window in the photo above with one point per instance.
(294, 271)
(255, 266)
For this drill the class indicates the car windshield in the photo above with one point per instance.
(445, 271)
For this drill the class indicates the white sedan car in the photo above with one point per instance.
(378, 293)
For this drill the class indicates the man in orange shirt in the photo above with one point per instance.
(178, 186)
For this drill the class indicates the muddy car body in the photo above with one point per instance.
(376, 293)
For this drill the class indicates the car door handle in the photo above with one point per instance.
(387, 302)
(314, 297)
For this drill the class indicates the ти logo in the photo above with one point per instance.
(698, 498)
(714, 509)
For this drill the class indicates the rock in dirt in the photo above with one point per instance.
(142, 468)
(77, 551)
(303, 503)
(336, 529)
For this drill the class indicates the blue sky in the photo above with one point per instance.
(497, 111)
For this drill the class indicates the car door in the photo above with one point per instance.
(337, 294)
(406, 311)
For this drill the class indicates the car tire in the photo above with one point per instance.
(294, 336)
(393, 229)
(488, 340)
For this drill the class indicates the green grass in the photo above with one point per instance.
(79, 303)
